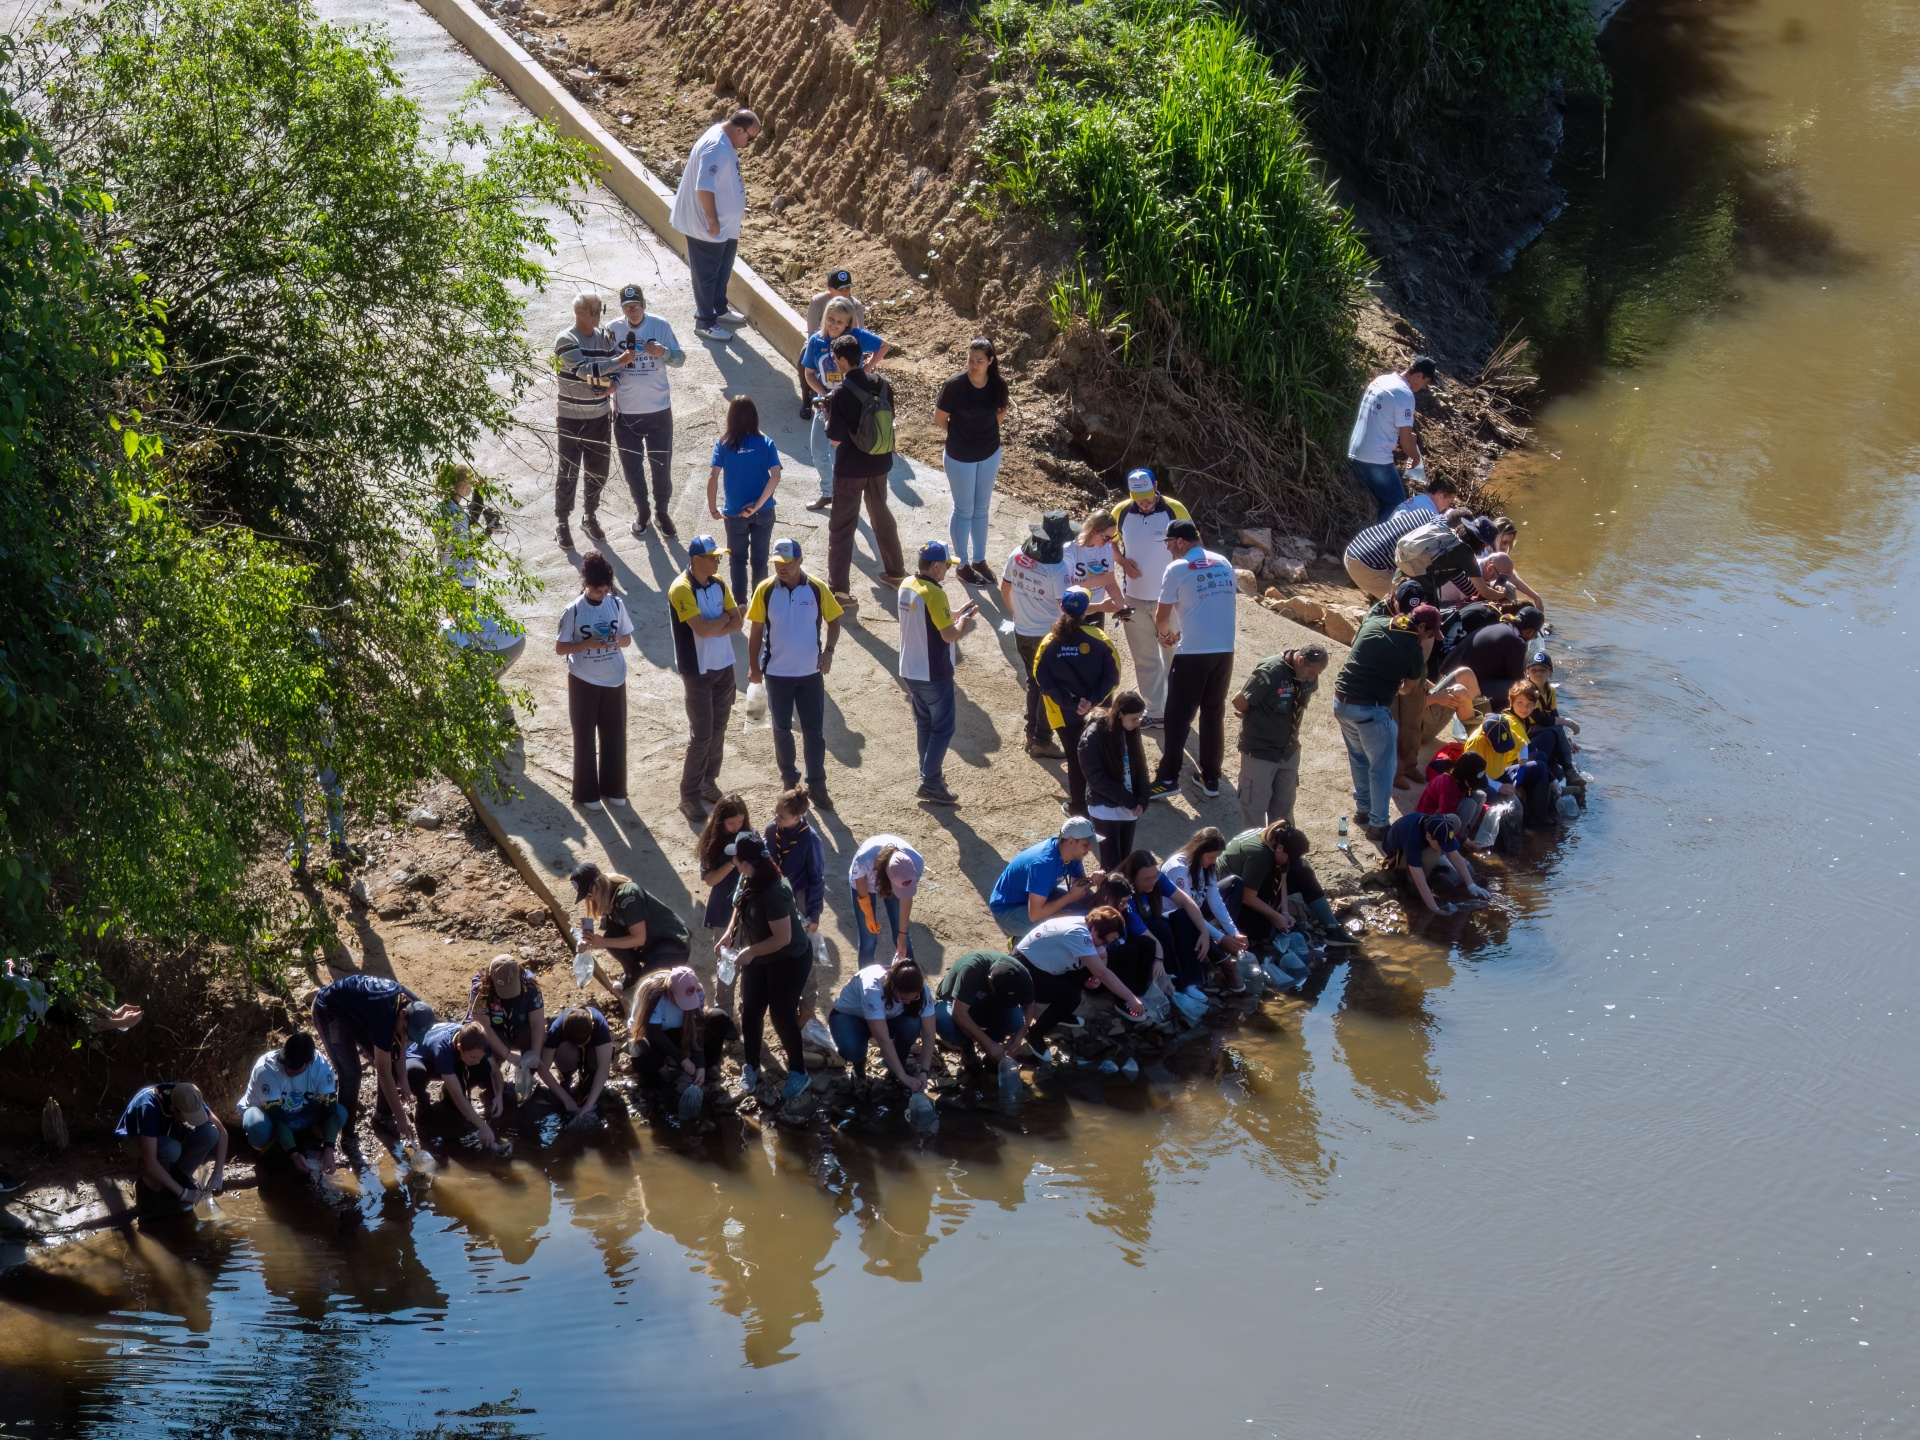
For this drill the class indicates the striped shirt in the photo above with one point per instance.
(1373, 547)
(581, 359)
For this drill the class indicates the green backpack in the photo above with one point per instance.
(874, 434)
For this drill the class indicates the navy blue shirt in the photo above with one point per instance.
(1407, 837)
(369, 1004)
(601, 1034)
(148, 1114)
(743, 472)
(439, 1050)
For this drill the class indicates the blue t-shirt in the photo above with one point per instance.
(1406, 837)
(743, 472)
(601, 1034)
(149, 1114)
(438, 1048)
(818, 355)
(1036, 870)
(369, 1004)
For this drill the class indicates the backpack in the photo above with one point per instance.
(874, 434)
(1415, 551)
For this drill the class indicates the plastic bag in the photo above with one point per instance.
(728, 966)
(1492, 820)
(583, 967)
(753, 715)
(1192, 1008)
(692, 1099)
(1159, 1004)
(1569, 807)
(1251, 974)
(921, 1114)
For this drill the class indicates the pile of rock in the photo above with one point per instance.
(1339, 623)
(1271, 559)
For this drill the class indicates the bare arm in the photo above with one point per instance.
(602, 1062)
(1410, 445)
(756, 637)
(1096, 964)
(713, 493)
(940, 418)
(773, 484)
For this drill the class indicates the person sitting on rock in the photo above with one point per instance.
(681, 1034)
(1194, 870)
(579, 1052)
(290, 1105)
(1455, 789)
(1502, 741)
(456, 1054)
(505, 999)
(1139, 957)
(887, 1005)
(1418, 843)
(1548, 731)
(1156, 900)
(982, 1002)
(168, 1129)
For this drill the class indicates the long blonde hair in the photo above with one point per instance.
(655, 986)
(599, 901)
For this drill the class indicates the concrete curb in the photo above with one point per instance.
(626, 177)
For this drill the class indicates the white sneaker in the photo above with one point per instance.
(713, 332)
(619, 800)
(733, 317)
(595, 805)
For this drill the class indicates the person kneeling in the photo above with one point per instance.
(887, 1005)
(681, 1034)
(456, 1055)
(579, 1054)
(1418, 843)
(291, 1105)
(1064, 956)
(982, 1001)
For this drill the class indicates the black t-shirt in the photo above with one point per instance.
(844, 405)
(1496, 654)
(634, 907)
(756, 917)
(973, 425)
(966, 981)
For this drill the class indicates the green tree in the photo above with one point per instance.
(233, 385)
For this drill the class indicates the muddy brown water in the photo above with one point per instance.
(1631, 1155)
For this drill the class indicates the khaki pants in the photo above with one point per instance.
(1376, 583)
(1267, 789)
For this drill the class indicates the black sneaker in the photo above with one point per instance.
(1212, 792)
(1163, 790)
(819, 798)
(564, 535)
(936, 794)
(637, 529)
(666, 528)
(590, 523)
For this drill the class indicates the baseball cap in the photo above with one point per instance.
(1075, 601)
(903, 875)
(705, 545)
(1540, 657)
(1528, 618)
(187, 1106)
(505, 972)
(933, 552)
(1183, 530)
(631, 293)
(1139, 482)
(1009, 983)
(1410, 596)
(420, 1019)
(583, 877)
(1423, 365)
(1077, 827)
(688, 992)
(1444, 832)
(748, 846)
(1425, 617)
(840, 280)
(786, 549)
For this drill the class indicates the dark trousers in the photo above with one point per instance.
(179, 1152)
(1131, 962)
(654, 955)
(645, 442)
(848, 493)
(465, 1077)
(711, 262)
(1038, 732)
(518, 1036)
(1255, 926)
(709, 703)
(1182, 942)
(1057, 995)
(1197, 682)
(1071, 727)
(1116, 840)
(749, 538)
(1550, 743)
(716, 1028)
(806, 694)
(583, 447)
(598, 712)
(774, 986)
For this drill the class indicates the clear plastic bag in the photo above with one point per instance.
(1569, 807)
(753, 715)
(1159, 1004)
(728, 967)
(921, 1114)
(583, 967)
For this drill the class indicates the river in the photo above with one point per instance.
(1623, 1158)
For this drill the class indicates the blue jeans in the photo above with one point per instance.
(711, 262)
(997, 1021)
(972, 484)
(1372, 756)
(281, 1126)
(1383, 483)
(933, 718)
(177, 1156)
(808, 695)
(852, 1035)
(821, 448)
(749, 538)
(870, 942)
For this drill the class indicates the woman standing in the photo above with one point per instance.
(594, 630)
(822, 371)
(1113, 767)
(1076, 668)
(775, 955)
(1093, 566)
(749, 464)
(715, 855)
(969, 408)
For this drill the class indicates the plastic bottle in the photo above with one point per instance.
(920, 1112)
(582, 966)
(819, 948)
(1343, 827)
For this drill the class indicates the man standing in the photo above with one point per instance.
(860, 402)
(1389, 650)
(1031, 585)
(1141, 543)
(704, 620)
(585, 359)
(1195, 619)
(1271, 706)
(1386, 420)
(708, 209)
(928, 633)
(1369, 555)
(796, 624)
(839, 287)
(643, 429)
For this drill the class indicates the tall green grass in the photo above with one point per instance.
(1166, 133)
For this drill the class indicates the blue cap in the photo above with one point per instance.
(1540, 657)
(933, 552)
(705, 545)
(1139, 482)
(786, 549)
(1076, 600)
(1444, 832)
(420, 1019)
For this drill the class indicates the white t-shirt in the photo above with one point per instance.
(1058, 945)
(270, 1085)
(865, 857)
(1144, 540)
(865, 995)
(1200, 588)
(1387, 405)
(1092, 567)
(604, 663)
(641, 388)
(1210, 900)
(1037, 590)
(713, 165)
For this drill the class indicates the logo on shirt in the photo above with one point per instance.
(1024, 560)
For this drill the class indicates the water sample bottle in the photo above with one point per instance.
(728, 966)
(920, 1112)
(583, 967)
(692, 1099)
(1343, 827)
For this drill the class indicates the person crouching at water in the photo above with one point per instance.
(1157, 900)
(1139, 957)
(505, 999)
(579, 1054)
(640, 930)
(168, 1129)
(1194, 869)
(290, 1105)
(381, 1017)
(1501, 741)
(456, 1055)
(681, 1034)
(887, 1005)
(774, 954)
(1418, 843)
(1065, 957)
(1455, 790)
(1045, 880)
(982, 1001)
(1303, 885)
